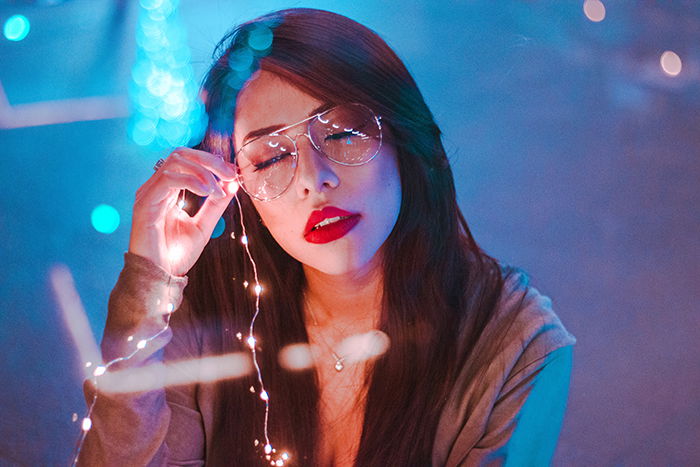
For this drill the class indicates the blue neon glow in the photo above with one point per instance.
(164, 95)
(16, 28)
(105, 219)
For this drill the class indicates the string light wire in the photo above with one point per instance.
(140, 345)
(101, 369)
(251, 341)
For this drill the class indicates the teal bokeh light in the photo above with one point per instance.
(167, 111)
(260, 38)
(16, 28)
(219, 229)
(105, 219)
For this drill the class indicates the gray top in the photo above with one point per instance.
(511, 414)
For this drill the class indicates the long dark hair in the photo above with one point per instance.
(438, 284)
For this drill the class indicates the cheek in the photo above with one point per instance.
(278, 221)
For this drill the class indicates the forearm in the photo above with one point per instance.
(130, 427)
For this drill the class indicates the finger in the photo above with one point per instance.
(172, 181)
(216, 164)
(182, 164)
(212, 209)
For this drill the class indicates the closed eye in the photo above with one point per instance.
(341, 135)
(271, 161)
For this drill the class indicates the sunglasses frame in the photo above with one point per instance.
(307, 133)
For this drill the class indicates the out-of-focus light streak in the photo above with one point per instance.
(159, 375)
(671, 63)
(594, 10)
(296, 357)
(156, 376)
(353, 349)
(60, 111)
(16, 28)
(74, 317)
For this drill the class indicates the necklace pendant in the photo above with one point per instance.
(339, 366)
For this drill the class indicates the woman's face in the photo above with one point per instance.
(367, 198)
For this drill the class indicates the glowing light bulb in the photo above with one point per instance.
(285, 456)
(258, 289)
(88, 364)
(87, 424)
(130, 338)
(181, 204)
(251, 342)
(268, 449)
(239, 336)
(99, 371)
(141, 344)
(252, 389)
(176, 253)
(264, 396)
(171, 307)
(594, 10)
(232, 187)
(245, 284)
(244, 239)
(279, 462)
(671, 63)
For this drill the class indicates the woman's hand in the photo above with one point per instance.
(161, 231)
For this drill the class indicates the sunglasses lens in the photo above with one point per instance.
(266, 166)
(348, 134)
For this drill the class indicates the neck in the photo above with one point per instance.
(350, 300)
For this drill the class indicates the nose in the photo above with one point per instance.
(315, 172)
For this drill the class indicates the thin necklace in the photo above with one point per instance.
(339, 361)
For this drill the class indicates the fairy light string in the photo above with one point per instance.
(251, 341)
(269, 451)
(100, 370)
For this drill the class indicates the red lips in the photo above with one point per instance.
(330, 231)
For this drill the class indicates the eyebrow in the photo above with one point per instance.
(272, 128)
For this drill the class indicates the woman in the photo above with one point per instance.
(350, 214)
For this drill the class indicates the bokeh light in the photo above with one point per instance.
(105, 219)
(260, 38)
(671, 63)
(16, 28)
(594, 10)
(167, 108)
(219, 229)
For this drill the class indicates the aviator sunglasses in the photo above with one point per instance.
(347, 134)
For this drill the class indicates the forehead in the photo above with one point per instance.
(268, 100)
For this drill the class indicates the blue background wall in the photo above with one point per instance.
(575, 157)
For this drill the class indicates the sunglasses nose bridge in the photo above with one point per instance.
(308, 136)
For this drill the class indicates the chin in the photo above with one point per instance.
(342, 265)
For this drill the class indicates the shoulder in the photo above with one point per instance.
(524, 342)
(524, 324)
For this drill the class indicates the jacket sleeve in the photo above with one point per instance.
(134, 421)
(526, 420)
(509, 409)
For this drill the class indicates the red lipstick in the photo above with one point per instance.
(328, 224)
